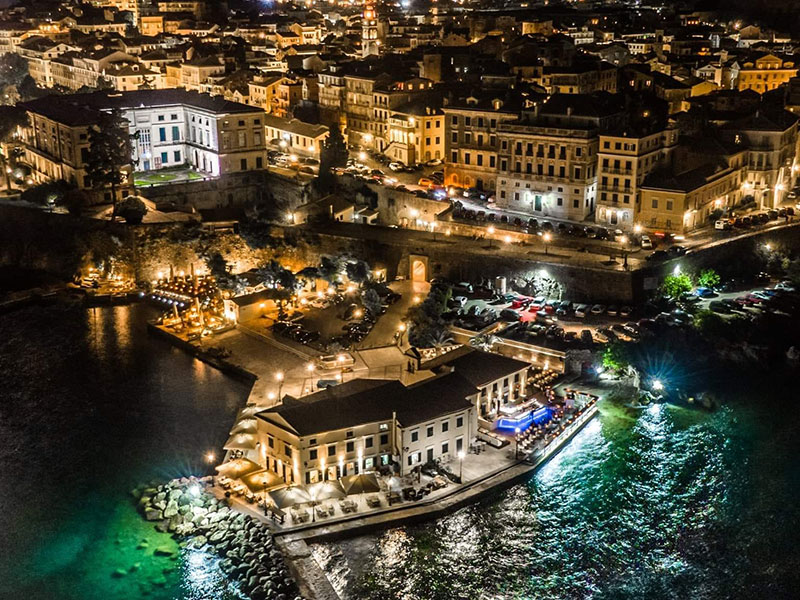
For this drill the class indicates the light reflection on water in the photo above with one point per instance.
(91, 406)
(636, 506)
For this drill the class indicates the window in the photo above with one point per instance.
(243, 139)
(454, 137)
(414, 436)
(459, 444)
(669, 204)
(160, 117)
(459, 422)
(176, 133)
(384, 439)
(243, 164)
(445, 447)
(164, 158)
(445, 426)
(383, 427)
(350, 447)
(368, 442)
(177, 156)
(162, 134)
(332, 450)
(655, 203)
(414, 458)
(429, 431)
(454, 120)
(312, 455)
(454, 156)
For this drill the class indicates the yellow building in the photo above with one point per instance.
(765, 73)
(683, 202)
(415, 134)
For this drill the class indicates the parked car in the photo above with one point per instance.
(598, 309)
(426, 182)
(705, 292)
(509, 315)
(676, 250)
(581, 310)
(625, 311)
(723, 224)
(612, 311)
(647, 243)
(657, 255)
(719, 307)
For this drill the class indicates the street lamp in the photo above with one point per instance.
(516, 443)
(658, 385)
(401, 329)
(624, 242)
(279, 379)
(637, 228)
(210, 456)
(460, 465)
(490, 231)
(340, 359)
(546, 237)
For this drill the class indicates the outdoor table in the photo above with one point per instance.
(373, 501)
(393, 497)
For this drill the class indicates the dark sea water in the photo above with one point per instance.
(91, 405)
(665, 503)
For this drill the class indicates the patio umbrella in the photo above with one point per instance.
(326, 490)
(241, 441)
(259, 480)
(364, 483)
(244, 426)
(238, 467)
(289, 496)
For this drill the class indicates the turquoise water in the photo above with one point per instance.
(91, 407)
(666, 503)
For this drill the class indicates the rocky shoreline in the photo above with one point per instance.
(183, 508)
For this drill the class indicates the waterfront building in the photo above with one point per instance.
(365, 424)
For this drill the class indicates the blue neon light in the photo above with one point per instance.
(525, 420)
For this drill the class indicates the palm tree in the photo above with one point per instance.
(439, 338)
(483, 342)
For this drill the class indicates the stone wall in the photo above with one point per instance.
(231, 190)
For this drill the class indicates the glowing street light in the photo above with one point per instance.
(460, 464)
(362, 156)
(637, 228)
(490, 230)
(279, 379)
(546, 237)
(210, 457)
(658, 385)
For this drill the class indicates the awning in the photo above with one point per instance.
(241, 441)
(326, 490)
(244, 426)
(364, 483)
(238, 467)
(289, 496)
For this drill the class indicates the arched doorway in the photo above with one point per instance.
(418, 270)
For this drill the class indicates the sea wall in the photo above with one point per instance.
(248, 551)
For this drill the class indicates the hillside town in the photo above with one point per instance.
(431, 235)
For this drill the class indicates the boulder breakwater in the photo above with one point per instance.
(248, 553)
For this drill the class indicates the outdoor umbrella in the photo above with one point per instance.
(241, 441)
(244, 426)
(258, 480)
(289, 496)
(238, 467)
(326, 490)
(365, 483)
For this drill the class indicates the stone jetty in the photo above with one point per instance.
(249, 555)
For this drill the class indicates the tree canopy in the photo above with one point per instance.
(708, 278)
(675, 285)
(110, 151)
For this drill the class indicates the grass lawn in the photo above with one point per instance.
(154, 177)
